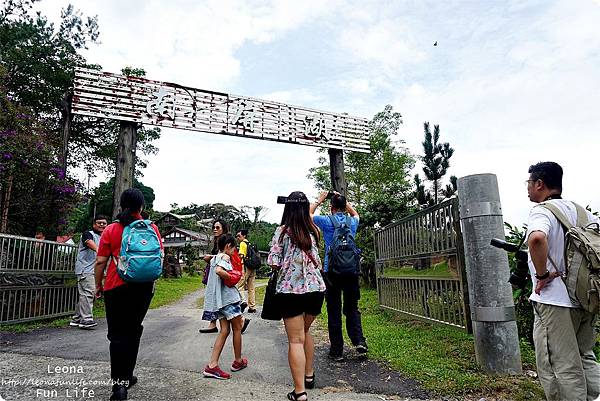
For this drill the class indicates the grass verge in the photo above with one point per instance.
(438, 270)
(168, 290)
(441, 358)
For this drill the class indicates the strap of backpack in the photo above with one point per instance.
(582, 219)
(334, 221)
(560, 216)
(348, 222)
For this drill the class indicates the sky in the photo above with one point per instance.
(510, 83)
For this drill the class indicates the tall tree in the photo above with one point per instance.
(40, 59)
(35, 195)
(436, 159)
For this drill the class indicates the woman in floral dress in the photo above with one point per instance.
(300, 288)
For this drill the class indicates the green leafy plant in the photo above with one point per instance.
(523, 308)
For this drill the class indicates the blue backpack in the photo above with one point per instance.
(344, 255)
(140, 259)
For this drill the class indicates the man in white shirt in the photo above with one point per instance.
(563, 333)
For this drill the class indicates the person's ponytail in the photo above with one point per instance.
(132, 201)
(125, 217)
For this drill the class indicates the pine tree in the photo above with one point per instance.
(436, 158)
(451, 188)
(423, 196)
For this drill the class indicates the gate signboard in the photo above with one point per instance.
(140, 100)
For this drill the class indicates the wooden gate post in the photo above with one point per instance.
(125, 162)
(490, 294)
(67, 117)
(336, 170)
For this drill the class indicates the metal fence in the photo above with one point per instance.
(37, 279)
(433, 233)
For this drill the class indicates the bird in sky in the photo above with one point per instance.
(435, 44)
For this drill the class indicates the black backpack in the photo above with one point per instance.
(344, 255)
(252, 259)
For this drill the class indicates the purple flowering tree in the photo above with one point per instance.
(35, 194)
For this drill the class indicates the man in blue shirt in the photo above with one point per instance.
(348, 285)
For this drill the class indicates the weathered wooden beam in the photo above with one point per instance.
(336, 170)
(125, 161)
(67, 117)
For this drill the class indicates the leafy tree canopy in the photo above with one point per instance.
(35, 195)
(100, 202)
(40, 60)
(37, 64)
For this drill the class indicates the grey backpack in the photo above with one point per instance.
(582, 257)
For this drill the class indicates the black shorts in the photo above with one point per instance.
(291, 305)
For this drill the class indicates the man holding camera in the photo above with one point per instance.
(563, 333)
(338, 284)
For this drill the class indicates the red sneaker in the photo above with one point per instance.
(235, 366)
(215, 372)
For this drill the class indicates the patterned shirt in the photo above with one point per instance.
(298, 273)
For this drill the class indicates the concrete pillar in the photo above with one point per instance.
(125, 161)
(492, 308)
(336, 170)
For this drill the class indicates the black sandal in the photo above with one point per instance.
(292, 396)
(309, 381)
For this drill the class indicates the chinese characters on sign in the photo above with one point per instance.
(107, 95)
(160, 105)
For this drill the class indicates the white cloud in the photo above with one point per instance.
(295, 97)
(510, 83)
(537, 104)
(387, 43)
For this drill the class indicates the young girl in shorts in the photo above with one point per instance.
(223, 303)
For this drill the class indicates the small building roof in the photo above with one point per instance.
(179, 217)
(190, 237)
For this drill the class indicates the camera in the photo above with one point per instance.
(520, 275)
(330, 195)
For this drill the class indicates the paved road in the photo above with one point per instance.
(171, 358)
